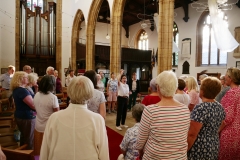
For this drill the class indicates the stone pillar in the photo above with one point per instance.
(90, 47)
(115, 48)
(75, 37)
(59, 38)
(165, 35)
(116, 27)
(17, 36)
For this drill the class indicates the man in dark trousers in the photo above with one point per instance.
(134, 89)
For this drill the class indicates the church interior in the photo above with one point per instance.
(145, 37)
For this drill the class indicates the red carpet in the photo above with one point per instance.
(114, 140)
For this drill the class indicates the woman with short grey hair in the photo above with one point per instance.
(32, 83)
(76, 125)
(129, 141)
(164, 124)
(153, 97)
(224, 89)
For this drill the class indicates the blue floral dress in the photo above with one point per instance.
(206, 146)
(129, 141)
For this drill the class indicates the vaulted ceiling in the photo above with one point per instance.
(137, 10)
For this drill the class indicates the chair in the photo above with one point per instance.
(11, 154)
(8, 141)
(6, 132)
(64, 91)
(61, 96)
(6, 117)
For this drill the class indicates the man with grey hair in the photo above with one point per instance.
(27, 69)
(130, 138)
(201, 77)
(50, 71)
(224, 89)
(5, 80)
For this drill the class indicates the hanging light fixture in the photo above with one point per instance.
(107, 36)
(108, 19)
(145, 23)
(221, 4)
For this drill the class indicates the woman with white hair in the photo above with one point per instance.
(32, 83)
(76, 132)
(100, 83)
(164, 126)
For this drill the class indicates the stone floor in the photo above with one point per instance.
(111, 122)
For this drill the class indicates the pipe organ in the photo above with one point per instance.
(37, 36)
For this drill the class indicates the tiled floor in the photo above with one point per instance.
(111, 122)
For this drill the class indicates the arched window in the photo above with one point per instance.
(176, 39)
(142, 40)
(207, 51)
(33, 3)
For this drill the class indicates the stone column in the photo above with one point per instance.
(116, 27)
(59, 38)
(90, 47)
(115, 48)
(75, 37)
(165, 35)
(17, 37)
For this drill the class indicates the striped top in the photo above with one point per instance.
(163, 131)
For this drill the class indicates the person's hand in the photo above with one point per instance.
(35, 86)
(139, 95)
(130, 92)
(2, 155)
(121, 71)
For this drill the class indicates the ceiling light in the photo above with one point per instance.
(144, 25)
(107, 36)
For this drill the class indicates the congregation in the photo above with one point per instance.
(179, 119)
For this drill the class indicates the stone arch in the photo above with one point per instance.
(75, 36)
(116, 27)
(90, 35)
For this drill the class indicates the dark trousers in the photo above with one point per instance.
(121, 110)
(26, 127)
(132, 99)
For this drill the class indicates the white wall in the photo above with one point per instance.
(7, 37)
(188, 30)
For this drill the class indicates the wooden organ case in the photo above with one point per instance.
(38, 37)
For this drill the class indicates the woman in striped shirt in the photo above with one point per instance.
(164, 126)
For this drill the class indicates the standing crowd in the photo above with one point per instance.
(179, 119)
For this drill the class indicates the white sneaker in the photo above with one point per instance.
(124, 126)
(119, 128)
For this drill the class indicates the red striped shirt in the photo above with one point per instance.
(163, 131)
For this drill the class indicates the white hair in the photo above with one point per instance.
(168, 83)
(80, 90)
(32, 77)
(202, 76)
(183, 77)
(49, 68)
